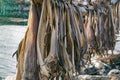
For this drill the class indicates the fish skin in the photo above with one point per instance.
(76, 37)
(81, 26)
(22, 72)
(90, 31)
(20, 58)
(30, 47)
(40, 41)
(70, 41)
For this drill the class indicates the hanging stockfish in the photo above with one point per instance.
(27, 57)
(101, 27)
(57, 38)
(90, 32)
(111, 33)
(55, 42)
(115, 10)
(115, 18)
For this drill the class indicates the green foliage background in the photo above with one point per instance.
(13, 8)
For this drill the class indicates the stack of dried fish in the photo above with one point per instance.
(58, 37)
(55, 41)
(100, 27)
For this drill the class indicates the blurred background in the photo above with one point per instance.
(13, 24)
(14, 11)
